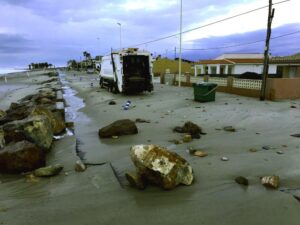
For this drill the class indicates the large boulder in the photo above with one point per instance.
(57, 122)
(2, 139)
(160, 166)
(118, 128)
(17, 111)
(2, 113)
(20, 157)
(36, 129)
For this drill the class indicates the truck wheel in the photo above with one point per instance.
(101, 83)
(115, 89)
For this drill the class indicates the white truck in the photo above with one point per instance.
(127, 71)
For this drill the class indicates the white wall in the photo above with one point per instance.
(239, 69)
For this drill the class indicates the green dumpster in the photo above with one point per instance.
(205, 92)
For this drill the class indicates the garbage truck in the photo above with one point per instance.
(127, 71)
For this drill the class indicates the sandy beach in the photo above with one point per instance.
(102, 195)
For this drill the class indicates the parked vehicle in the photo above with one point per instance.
(127, 71)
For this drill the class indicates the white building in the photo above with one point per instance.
(234, 64)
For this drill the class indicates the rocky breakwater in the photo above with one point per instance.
(157, 165)
(28, 126)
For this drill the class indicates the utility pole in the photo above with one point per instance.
(180, 42)
(266, 53)
(175, 53)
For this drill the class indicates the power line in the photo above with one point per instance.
(237, 45)
(209, 24)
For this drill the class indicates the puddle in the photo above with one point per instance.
(73, 102)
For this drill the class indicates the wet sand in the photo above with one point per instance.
(101, 195)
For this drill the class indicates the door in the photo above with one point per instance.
(292, 72)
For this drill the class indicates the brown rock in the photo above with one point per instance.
(57, 122)
(118, 128)
(187, 138)
(135, 180)
(271, 181)
(229, 129)
(160, 166)
(242, 180)
(36, 129)
(21, 157)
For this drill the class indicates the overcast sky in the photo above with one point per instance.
(59, 30)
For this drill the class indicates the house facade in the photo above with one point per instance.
(233, 64)
(236, 64)
(288, 66)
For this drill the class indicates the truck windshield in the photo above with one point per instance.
(136, 65)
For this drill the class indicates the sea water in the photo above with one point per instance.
(10, 70)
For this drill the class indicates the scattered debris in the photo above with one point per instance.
(242, 180)
(112, 102)
(229, 129)
(176, 142)
(190, 128)
(126, 105)
(224, 158)
(135, 180)
(118, 128)
(252, 150)
(187, 138)
(32, 179)
(296, 135)
(198, 153)
(79, 166)
(139, 120)
(48, 171)
(160, 166)
(271, 181)
(267, 147)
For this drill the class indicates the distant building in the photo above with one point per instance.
(164, 65)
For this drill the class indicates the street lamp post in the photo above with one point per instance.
(120, 35)
(180, 42)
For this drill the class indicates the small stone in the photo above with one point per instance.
(135, 180)
(79, 166)
(284, 146)
(271, 181)
(296, 135)
(266, 147)
(187, 138)
(176, 142)
(200, 153)
(229, 129)
(252, 150)
(242, 180)
(139, 120)
(293, 107)
(48, 171)
(112, 102)
(224, 158)
(32, 179)
(115, 137)
(280, 152)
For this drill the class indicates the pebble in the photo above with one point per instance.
(200, 153)
(115, 137)
(242, 180)
(252, 150)
(280, 152)
(229, 129)
(271, 181)
(224, 158)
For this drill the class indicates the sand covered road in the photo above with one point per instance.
(101, 195)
